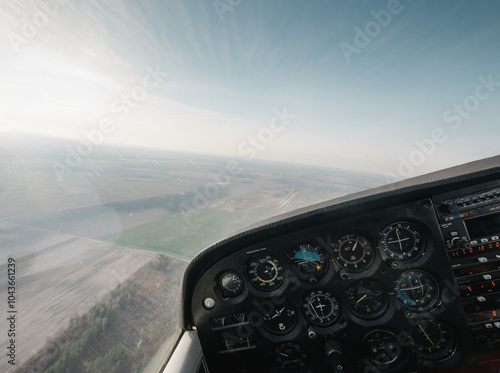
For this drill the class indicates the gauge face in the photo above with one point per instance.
(416, 289)
(431, 339)
(281, 320)
(265, 272)
(403, 241)
(382, 347)
(367, 299)
(291, 358)
(353, 252)
(229, 342)
(310, 261)
(321, 308)
(240, 317)
(218, 322)
(231, 284)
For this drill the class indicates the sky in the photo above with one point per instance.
(393, 87)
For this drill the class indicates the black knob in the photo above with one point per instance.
(460, 243)
(448, 206)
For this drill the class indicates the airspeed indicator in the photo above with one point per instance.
(265, 272)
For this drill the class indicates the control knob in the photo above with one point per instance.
(448, 206)
(460, 243)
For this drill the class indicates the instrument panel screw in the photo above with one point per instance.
(209, 303)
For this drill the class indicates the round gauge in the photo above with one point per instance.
(367, 299)
(310, 261)
(382, 347)
(291, 358)
(281, 320)
(231, 284)
(416, 289)
(403, 241)
(265, 272)
(321, 308)
(353, 252)
(431, 339)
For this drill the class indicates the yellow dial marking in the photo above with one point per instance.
(360, 299)
(426, 335)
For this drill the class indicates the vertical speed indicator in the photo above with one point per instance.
(367, 299)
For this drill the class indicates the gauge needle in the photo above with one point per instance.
(278, 313)
(426, 335)
(313, 308)
(421, 285)
(399, 239)
(360, 299)
(413, 288)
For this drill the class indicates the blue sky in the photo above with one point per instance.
(232, 64)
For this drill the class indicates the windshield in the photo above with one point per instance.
(134, 134)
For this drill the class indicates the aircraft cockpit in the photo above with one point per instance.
(400, 278)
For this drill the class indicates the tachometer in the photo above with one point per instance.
(367, 299)
(416, 289)
(403, 241)
(265, 272)
(291, 358)
(321, 308)
(310, 261)
(353, 252)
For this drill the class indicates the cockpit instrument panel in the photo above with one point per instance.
(401, 281)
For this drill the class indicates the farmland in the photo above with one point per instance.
(77, 237)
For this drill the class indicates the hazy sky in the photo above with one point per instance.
(361, 83)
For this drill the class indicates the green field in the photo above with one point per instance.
(185, 237)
